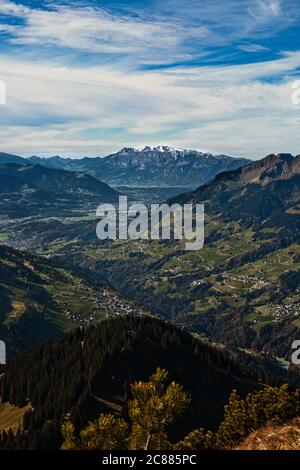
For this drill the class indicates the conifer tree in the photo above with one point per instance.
(153, 407)
(107, 433)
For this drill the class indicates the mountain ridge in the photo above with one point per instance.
(34, 189)
(161, 166)
(149, 166)
(257, 189)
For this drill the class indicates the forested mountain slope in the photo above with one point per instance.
(89, 371)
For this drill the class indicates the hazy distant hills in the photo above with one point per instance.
(58, 181)
(34, 189)
(158, 166)
(8, 158)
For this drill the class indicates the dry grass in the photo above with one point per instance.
(11, 417)
(274, 436)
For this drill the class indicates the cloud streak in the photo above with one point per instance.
(99, 31)
(147, 36)
(88, 79)
(76, 110)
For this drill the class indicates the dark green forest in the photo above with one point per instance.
(89, 372)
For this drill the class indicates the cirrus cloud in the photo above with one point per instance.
(86, 79)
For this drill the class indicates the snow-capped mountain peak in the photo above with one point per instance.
(152, 166)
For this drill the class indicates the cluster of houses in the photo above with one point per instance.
(104, 301)
(246, 279)
(291, 309)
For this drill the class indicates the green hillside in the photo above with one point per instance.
(41, 300)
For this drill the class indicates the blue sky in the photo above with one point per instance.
(89, 77)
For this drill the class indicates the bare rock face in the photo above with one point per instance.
(150, 166)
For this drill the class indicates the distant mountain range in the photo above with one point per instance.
(157, 166)
(27, 190)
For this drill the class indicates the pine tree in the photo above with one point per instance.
(154, 406)
(107, 433)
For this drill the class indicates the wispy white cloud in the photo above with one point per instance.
(233, 20)
(11, 8)
(76, 110)
(253, 48)
(263, 10)
(73, 104)
(96, 30)
(171, 32)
